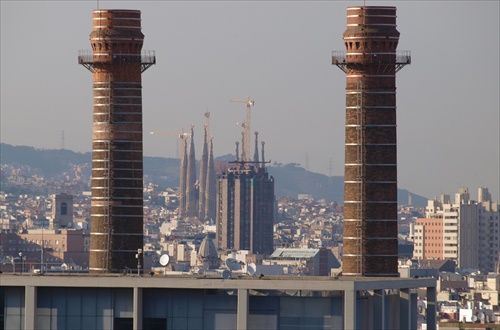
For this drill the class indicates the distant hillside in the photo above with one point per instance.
(290, 179)
(49, 162)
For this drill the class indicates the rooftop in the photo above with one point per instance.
(311, 283)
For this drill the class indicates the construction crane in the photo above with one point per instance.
(245, 148)
(180, 135)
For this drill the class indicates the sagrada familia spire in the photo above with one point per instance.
(191, 200)
(197, 198)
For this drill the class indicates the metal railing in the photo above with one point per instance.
(402, 56)
(87, 56)
(88, 59)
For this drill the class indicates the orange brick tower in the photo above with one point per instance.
(370, 189)
(116, 62)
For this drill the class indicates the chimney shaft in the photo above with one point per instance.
(370, 189)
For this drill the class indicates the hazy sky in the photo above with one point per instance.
(279, 54)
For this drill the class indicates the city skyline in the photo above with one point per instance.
(279, 54)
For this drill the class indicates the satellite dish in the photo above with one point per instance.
(164, 259)
(226, 274)
(232, 264)
(64, 267)
(474, 318)
(480, 316)
(251, 268)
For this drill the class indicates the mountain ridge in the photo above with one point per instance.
(290, 179)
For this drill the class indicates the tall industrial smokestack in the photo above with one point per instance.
(117, 172)
(370, 189)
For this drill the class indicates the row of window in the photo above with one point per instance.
(14, 249)
(435, 251)
(373, 45)
(491, 245)
(32, 241)
(136, 47)
(490, 217)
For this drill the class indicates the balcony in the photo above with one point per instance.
(87, 58)
(403, 57)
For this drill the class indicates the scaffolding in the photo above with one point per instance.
(360, 175)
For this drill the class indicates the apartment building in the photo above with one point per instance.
(466, 231)
(489, 232)
(48, 247)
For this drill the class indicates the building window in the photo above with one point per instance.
(64, 208)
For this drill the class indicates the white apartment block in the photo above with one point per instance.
(466, 231)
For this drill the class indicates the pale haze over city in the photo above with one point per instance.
(279, 54)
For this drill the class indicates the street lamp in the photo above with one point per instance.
(41, 251)
(138, 256)
(22, 261)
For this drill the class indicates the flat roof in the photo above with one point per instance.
(294, 253)
(311, 283)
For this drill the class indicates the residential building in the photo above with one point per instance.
(489, 232)
(47, 247)
(466, 231)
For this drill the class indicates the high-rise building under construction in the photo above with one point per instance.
(245, 208)
(117, 62)
(370, 189)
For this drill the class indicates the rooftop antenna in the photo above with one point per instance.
(62, 141)
(164, 260)
(330, 168)
(232, 264)
(251, 269)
